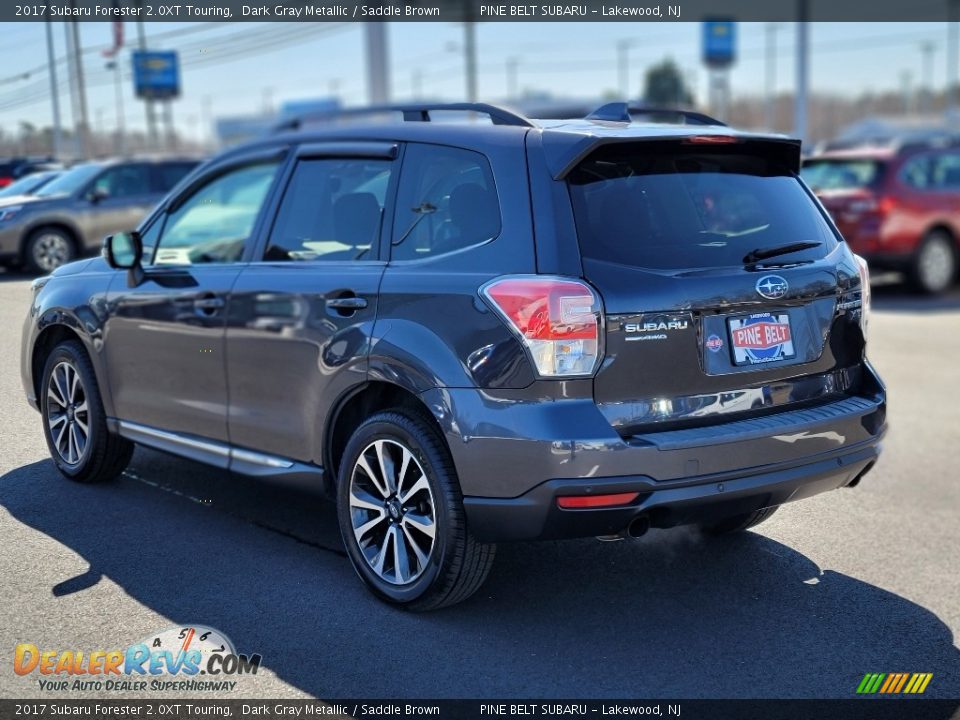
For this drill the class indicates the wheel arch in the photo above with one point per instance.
(71, 231)
(358, 405)
(947, 228)
(58, 326)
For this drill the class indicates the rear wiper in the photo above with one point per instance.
(755, 256)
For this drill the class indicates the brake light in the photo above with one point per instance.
(864, 293)
(712, 140)
(569, 502)
(557, 319)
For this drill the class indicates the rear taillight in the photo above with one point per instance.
(882, 206)
(558, 320)
(864, 293)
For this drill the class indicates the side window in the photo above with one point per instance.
(169, 174)
(945, 172)
(124, 181)
(916, 172)
(332, 209)
(214, 224)
(447, 201)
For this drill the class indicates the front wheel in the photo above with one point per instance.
(47, 249)
(74, 423)
(401, 515)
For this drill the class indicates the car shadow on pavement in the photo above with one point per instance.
(670, 615)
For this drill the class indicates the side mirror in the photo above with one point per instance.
(97, 194)
(124, 251)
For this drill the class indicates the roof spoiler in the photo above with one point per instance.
(624, 112)
(562, 156)
(413, 112)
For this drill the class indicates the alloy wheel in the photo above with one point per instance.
(936, 264)
(392, 512)
(50, 251)
(68, 415)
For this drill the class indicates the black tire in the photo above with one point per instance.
(934, 265)
(103, 455)
(456, 563)
(739, 523)
(48, 248)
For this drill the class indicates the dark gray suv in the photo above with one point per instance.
(477, 332)
(69, 216)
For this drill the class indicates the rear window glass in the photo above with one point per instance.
(846, 174)
(686, 207)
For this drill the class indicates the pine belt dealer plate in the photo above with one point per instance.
(761, 338)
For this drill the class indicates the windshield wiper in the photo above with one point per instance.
(755, 256)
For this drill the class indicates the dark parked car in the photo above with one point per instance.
(69, 216)
(898, 206)
(472, 333)
(12, 169)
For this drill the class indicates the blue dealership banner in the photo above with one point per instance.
(156, 74)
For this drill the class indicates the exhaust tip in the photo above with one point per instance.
(638, 527)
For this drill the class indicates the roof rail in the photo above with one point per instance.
(622, 112)
(413, 112)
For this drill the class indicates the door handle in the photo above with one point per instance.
(350, 302)
(208, 305)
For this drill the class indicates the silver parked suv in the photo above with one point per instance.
(71, 215)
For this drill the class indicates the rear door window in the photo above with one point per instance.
(842, 174)
(669, 206)
(447, 201)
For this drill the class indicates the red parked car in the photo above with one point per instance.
(897, 207)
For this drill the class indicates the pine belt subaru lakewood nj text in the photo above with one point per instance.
(478, 330)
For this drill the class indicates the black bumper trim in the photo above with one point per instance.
(535, 515)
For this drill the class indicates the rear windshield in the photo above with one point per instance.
(678, 207)
(841, 174)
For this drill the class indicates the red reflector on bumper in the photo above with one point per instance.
(592, 501)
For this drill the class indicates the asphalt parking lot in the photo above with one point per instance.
(855, 581)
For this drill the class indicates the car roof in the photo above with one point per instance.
(565, 142)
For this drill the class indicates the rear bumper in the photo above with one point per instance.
(536, 516)
(514, 458)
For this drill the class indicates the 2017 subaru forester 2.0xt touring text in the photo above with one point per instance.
(476, 332)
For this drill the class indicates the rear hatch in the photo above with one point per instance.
(723, 284)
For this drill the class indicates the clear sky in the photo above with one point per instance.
(239, 68)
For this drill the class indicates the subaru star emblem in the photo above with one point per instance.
(772, 287)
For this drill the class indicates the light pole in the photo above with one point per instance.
(54, 92)
(953, 58)
(803, 58)
(927, 49)
(771, 76)
(470, 56)
(623, 66)
(512, 65)
(118, 95)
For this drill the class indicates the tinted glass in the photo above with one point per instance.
(331, 210)
(688, 208)
(71, 181)
(841, 174)
(916, 172)
(28, 184)
(447, 201)
(169, 174)
(945, 171)
(213, 225)
(124, 181)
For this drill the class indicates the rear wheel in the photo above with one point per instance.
(74, 423)
(739, 523)
(401, 515)
(935, 264)
(47, 249)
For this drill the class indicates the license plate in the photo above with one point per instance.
(761, 338)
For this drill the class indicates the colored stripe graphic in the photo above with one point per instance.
(893, 683)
